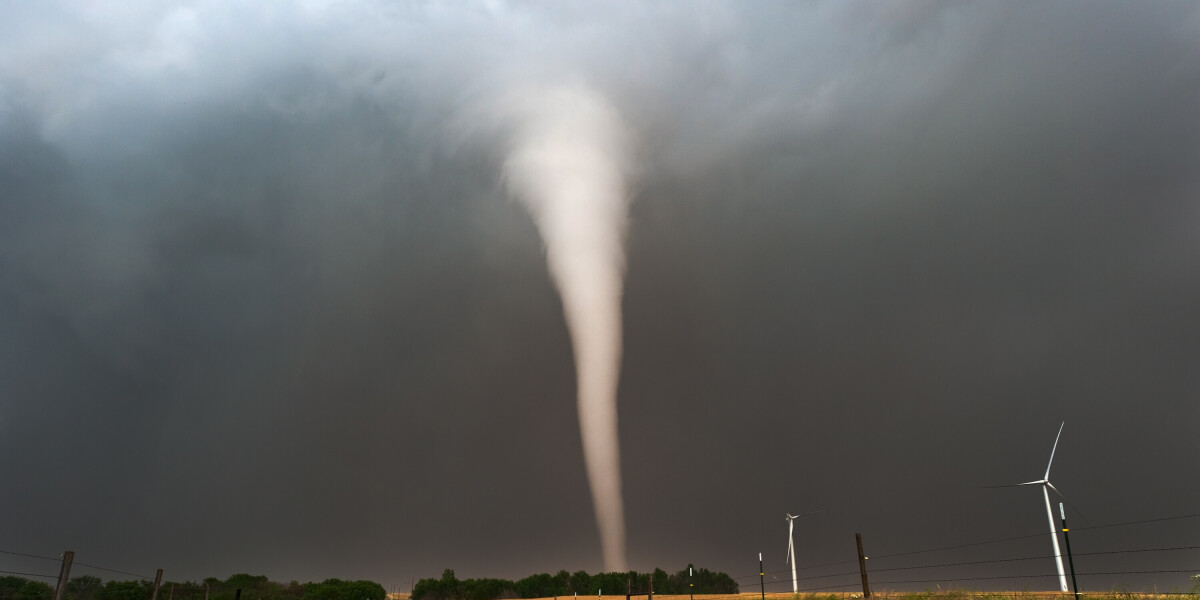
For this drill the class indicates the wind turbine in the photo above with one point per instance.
(1046, 487)
(791, 557)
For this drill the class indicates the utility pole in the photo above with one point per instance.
(1062, 512)
(157, 583)
(206, 590)
(862, 566)
(64, 574)
(692, 584)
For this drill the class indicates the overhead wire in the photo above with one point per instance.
(956, 547)
(29, 574)
(106, 569)
(58, 558)
(1175, 518)
(965, 563)
(778, 581)
(1033, 576)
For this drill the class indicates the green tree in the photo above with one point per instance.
(540, 585)
(448, 587)
(611, 584)
(84, 587)
(488, 589)
(424, 589)
(246, 581)
(337, 589)
(126, 590)
(581, 583)
(35, 590)
(187, 590)
(662, 582)
(562, 583)
(707, 582)
(543, 585)
(19, 588)
(10, 585)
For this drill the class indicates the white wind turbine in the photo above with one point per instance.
(1046, 487)
(791, 555)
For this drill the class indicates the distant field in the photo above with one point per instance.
(947, 595)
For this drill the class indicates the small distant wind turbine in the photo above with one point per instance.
(1046, 486)
(791, 557)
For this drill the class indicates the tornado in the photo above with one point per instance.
(568, 164)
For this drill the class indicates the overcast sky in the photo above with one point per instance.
(266, 307)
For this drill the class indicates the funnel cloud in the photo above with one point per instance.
(568, 165)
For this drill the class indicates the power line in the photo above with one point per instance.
(55, 559)
(1140, 572)
(112, 570)
(965, 563)
(1020, 537)
(997, 541)
(832, 564)
(1139, 550)
(1041, 557)
(960, 564)
(29, 574)
(1034, 576)
(59, 558)
(824, 576)
(1191, 516)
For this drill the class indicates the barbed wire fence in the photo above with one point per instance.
(843, 577)
(837, 577)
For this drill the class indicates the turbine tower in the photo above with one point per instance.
(791, 555)
(1046, 487)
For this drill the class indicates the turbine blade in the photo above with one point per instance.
(1060, 428)
(1038, 482)
(1051, 486)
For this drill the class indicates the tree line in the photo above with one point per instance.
(254, 587)
(544, 585)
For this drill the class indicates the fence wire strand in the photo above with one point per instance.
(747, 581)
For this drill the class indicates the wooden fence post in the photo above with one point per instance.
(862, 566)
(64, 574)
(157, 583)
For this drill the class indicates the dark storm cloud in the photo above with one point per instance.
(263, 306)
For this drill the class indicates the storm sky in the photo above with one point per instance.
(266, 307)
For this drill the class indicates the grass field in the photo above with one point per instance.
(938, 595)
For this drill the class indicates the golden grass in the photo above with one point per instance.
(897, 595)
